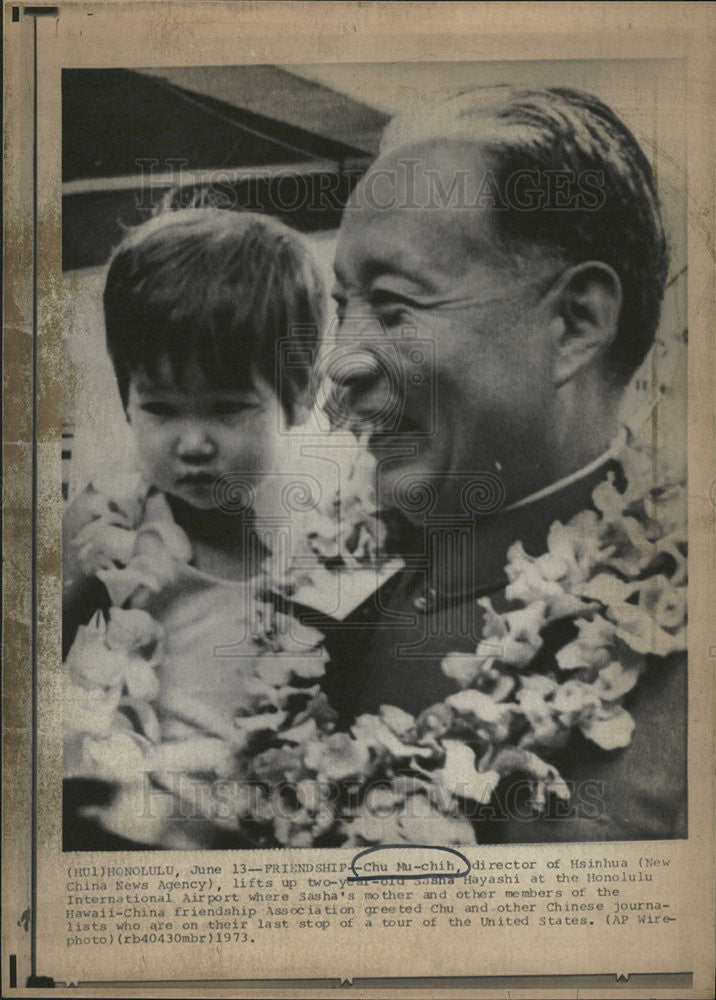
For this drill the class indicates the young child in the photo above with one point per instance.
(197, 303)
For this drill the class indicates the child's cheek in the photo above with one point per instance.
(253, 451)
(153, 449)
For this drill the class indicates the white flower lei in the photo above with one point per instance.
(616, 573)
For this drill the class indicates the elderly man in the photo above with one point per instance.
(499, 274)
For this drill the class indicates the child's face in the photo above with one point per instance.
(189, 436)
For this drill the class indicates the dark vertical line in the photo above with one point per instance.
(34, 603)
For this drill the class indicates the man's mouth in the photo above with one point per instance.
(404, 431)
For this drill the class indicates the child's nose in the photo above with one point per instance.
(195, 444)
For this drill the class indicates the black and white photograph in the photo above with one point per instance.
(374, 455)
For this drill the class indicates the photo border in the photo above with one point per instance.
(31, 438)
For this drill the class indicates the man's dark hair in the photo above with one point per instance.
(619, 223)
(219, 287)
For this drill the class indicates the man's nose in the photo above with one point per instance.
(195, 445)
(360, 384)
(353, 368)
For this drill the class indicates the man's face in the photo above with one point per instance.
(428, 286)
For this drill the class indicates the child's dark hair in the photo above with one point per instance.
(220, 287)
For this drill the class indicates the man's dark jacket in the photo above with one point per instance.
(389, 650)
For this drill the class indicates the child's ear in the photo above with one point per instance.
(586, 302)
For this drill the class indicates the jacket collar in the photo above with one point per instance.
(463, 560)
(475, 563)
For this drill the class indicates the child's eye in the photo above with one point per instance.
(230, 407)
(158, 409)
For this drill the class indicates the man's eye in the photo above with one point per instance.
(157, 409)
(392, 315)
(390, 308)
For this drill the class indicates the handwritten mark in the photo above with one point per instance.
(410, 865)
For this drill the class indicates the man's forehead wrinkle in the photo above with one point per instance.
(413, 238)
(414, 245)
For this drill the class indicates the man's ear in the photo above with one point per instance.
(586, 300)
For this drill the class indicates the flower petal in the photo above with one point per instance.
(616, 680)
(89, 710)
(131, 629)
(338, 757)
(462, 667)
(158, 537)
(482, 711)
(122, 584)
(102, 545)
(609, 729)
(459, 775)
(399, 722)
(373, 732)
(117, 757)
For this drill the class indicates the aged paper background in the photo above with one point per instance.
(163, 34)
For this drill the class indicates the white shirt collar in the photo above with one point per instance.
(612, 451)
(338, 595)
